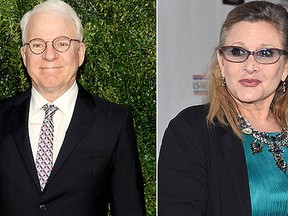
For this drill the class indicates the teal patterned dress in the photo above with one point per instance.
(268, 184)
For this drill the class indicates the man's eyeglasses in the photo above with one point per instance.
(60, 44)
(263, 56)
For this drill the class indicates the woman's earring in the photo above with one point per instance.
(223, 83)
(284, 87)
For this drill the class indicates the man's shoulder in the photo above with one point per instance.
(13, 100)
(99, 103)
(110, 112)
(107, 105)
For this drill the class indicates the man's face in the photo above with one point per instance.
(52, 72)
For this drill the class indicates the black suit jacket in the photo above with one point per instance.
(97, 164)
(202, 171)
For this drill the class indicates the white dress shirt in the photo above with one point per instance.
(61, 119)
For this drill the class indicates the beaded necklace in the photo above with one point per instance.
(274, 143)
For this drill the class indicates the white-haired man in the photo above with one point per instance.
(62, 150)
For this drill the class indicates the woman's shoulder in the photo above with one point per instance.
(195, 118)
(191, 118)
(194, 113)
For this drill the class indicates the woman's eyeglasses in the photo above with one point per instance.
(263, 56)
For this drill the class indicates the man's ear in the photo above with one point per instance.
(81, 53)
(22, 51)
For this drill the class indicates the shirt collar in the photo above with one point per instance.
(65, 102)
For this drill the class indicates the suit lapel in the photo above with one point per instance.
(19, 121)
(82, 118)
(235, 156)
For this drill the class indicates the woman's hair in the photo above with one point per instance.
(223, 107)
(57, 7)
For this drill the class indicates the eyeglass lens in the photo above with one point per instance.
(263, 56)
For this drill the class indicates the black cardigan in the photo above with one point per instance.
(202, 171)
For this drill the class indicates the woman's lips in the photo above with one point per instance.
(250, 82)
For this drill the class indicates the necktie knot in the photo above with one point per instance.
(49, 110)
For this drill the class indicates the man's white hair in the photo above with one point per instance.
(57, 7)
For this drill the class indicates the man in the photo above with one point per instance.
(63, 151)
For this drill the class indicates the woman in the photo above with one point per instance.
(229, 157)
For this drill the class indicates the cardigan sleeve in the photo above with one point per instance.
(183, 167)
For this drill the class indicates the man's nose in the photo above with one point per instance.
(50, 53)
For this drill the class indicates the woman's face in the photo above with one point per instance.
(250, 82)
